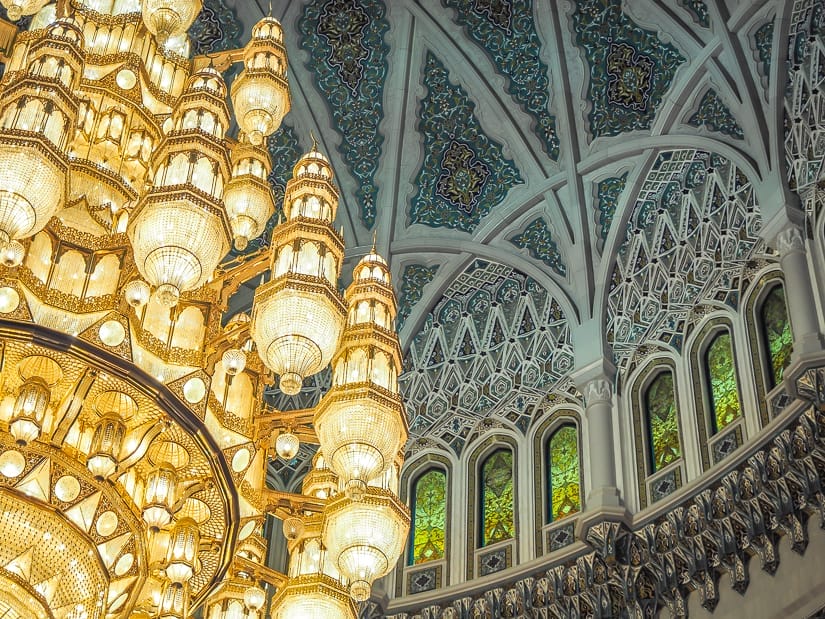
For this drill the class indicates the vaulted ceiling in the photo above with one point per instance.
(525, 164)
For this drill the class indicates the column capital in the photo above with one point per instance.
(598, 390)
(595, 377)
(790, 239)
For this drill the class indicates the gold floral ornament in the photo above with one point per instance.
(298, 315)
(260, 94)
(180, 231)
(39, 108)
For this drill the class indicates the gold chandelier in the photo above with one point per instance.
(134, 437)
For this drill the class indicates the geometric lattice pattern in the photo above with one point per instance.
(493, 346)
(693, 228)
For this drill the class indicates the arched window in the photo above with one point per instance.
(662, 423)
(721, 379)
(776, 334)
(563, 481)
(498, 521)
(429, 521)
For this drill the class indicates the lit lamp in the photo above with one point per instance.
(364, 394)
(182, 552)
(29, 410)
(298, 315)
(169, 18)
(39, 374)
(12, 254)
(254, 598)
(35, 124)
(293, 528)
(115, 408)
(137, 293)
(260, 94)
(106, 442)
(174, 601)
(234, 361)
(248, 195)
(179, 230)
(314, 589)
(287, 445)
(365, 538)
(159, 496)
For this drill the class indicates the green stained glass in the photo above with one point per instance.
(777, 332)
(429, 517)
(662, 426)
(497, 507)
(563, 478)
(721, 372)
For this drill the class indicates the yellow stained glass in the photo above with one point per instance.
(563, 477)
(497, 507)
(662, 425)
(429, 517)
(721, 372)
(777, 333)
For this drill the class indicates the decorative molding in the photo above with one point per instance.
(345, 39)
(506, 30)
(714, 115)
(653, 567)
(537, 238)
(790, 240)
(464, 174)
(680, 250)
(597, 391)
(630, 68)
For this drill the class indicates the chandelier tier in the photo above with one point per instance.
(134, 435)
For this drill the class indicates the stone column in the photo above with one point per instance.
(799, 294)
(598, 397)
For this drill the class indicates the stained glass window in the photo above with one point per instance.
(662, 425)
(777, 333)
(429, 525)
(721, 374)
(563, 473)
(497, 507)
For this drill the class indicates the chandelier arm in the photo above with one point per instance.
(235, 275)
(71, 405)
(280, 503)
(259, 572)
(221, 60)
(151, 434)
(8, 35)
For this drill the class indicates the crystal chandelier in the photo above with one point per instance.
(134, 437)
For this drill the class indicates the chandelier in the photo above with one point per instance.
(134, 435)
